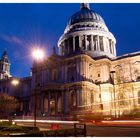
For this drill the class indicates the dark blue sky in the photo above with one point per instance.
(22, 25)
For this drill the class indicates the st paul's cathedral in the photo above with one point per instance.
(85, 76)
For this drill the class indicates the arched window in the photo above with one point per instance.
(139, 97)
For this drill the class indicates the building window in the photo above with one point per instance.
(139, 97)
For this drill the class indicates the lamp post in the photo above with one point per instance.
(38, 55)
(15, 82)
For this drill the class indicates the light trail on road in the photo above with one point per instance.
(41, 121)
(131, 121)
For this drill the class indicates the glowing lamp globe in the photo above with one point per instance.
(38, 54)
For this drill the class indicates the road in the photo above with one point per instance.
(99, 130)
(113, 131)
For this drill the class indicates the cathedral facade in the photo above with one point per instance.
(86, 76)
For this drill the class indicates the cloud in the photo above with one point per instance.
(11, 39)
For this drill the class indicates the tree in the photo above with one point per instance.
(8, 104)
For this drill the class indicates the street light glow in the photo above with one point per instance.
(38, 54)
(15, 82)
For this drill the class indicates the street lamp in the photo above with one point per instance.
(15, 82)
(38, 55)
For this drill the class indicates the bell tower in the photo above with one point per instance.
(4, 66)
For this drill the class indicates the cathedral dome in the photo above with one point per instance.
(85, 15)
(87, 31)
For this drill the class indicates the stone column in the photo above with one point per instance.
(87, 69)
(74, 44)
(80, 97)
(42, 103)
(114, 49)
(104, 45)
(98, 42)
(84, 68)
(56, 103)
(80, 44)
(85, 97)
(107, 44)
(88, 98)
(77, 70)
(48, 102)
(77, 94)
(92, 45)
(66, 101)
(111, 47)
(86, 42)
(81, 69)
(62, 102)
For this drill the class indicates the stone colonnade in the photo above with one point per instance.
(64, 101)
(88, 43)
(49, 102)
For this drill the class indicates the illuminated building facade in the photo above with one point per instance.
(86, 76)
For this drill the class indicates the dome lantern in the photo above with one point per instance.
(84, 5)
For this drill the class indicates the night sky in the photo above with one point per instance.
(24, 25)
